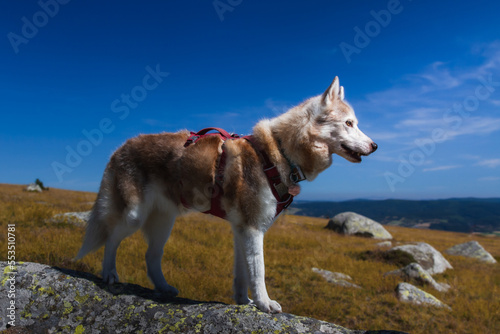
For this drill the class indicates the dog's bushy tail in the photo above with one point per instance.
(96, 232)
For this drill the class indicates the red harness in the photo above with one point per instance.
(278, 188)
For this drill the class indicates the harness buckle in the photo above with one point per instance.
(191, 140)
(297, 175)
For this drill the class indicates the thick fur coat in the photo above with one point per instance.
(152, 179)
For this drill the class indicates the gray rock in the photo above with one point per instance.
(336, 278)
(415, 272)
(351, 223)
(33, 187)
(427, 256)
(59, 300)
(471, 249)
(76, 218)
(410, 294)
(384, 244)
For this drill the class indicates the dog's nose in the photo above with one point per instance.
(374, 147)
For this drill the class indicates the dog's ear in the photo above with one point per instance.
(332, 93)
(341, 93)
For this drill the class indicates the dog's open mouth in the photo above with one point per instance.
(355, 156)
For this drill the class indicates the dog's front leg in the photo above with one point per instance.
(252, 243)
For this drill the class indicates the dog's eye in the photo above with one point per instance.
(348, 123)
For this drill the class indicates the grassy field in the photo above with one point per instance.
(198, 261)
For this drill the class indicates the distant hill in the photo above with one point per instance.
(456, 214)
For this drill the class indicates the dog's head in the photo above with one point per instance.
(337, 126)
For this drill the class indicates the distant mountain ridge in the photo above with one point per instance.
(454, 214)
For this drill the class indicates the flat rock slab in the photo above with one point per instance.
(336, 278)
(75, 218)
(415, 272)
(471, 249)
(427, 256)
(410, 294)
(60, 300)
(351, 223)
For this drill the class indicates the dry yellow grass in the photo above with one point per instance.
(198, 261)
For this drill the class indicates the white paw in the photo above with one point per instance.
(110, 276)
(268, 306)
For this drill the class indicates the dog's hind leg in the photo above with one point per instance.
(157, 231)
(109, 274)
(125, 227)
(240, 283)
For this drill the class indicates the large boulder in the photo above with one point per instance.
(427, 256)
(471, 249)
(351, 223)
(51, 299)
(410, 294)
(415, 272)
(336, 278)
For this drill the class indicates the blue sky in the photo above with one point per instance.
(423, 77)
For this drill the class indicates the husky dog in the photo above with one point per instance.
(151, 179)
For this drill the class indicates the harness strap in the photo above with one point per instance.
(217, 190)
(278, 188)
(223, 134)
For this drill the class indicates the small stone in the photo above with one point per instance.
(415, 272)
(427, 256)
(410, 294)
(33, 187)
(336, 278)
(384, 244)
(75, 218)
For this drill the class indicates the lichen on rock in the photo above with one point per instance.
(411, 294)
(50, 299)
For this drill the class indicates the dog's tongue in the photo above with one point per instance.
(294, 190)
